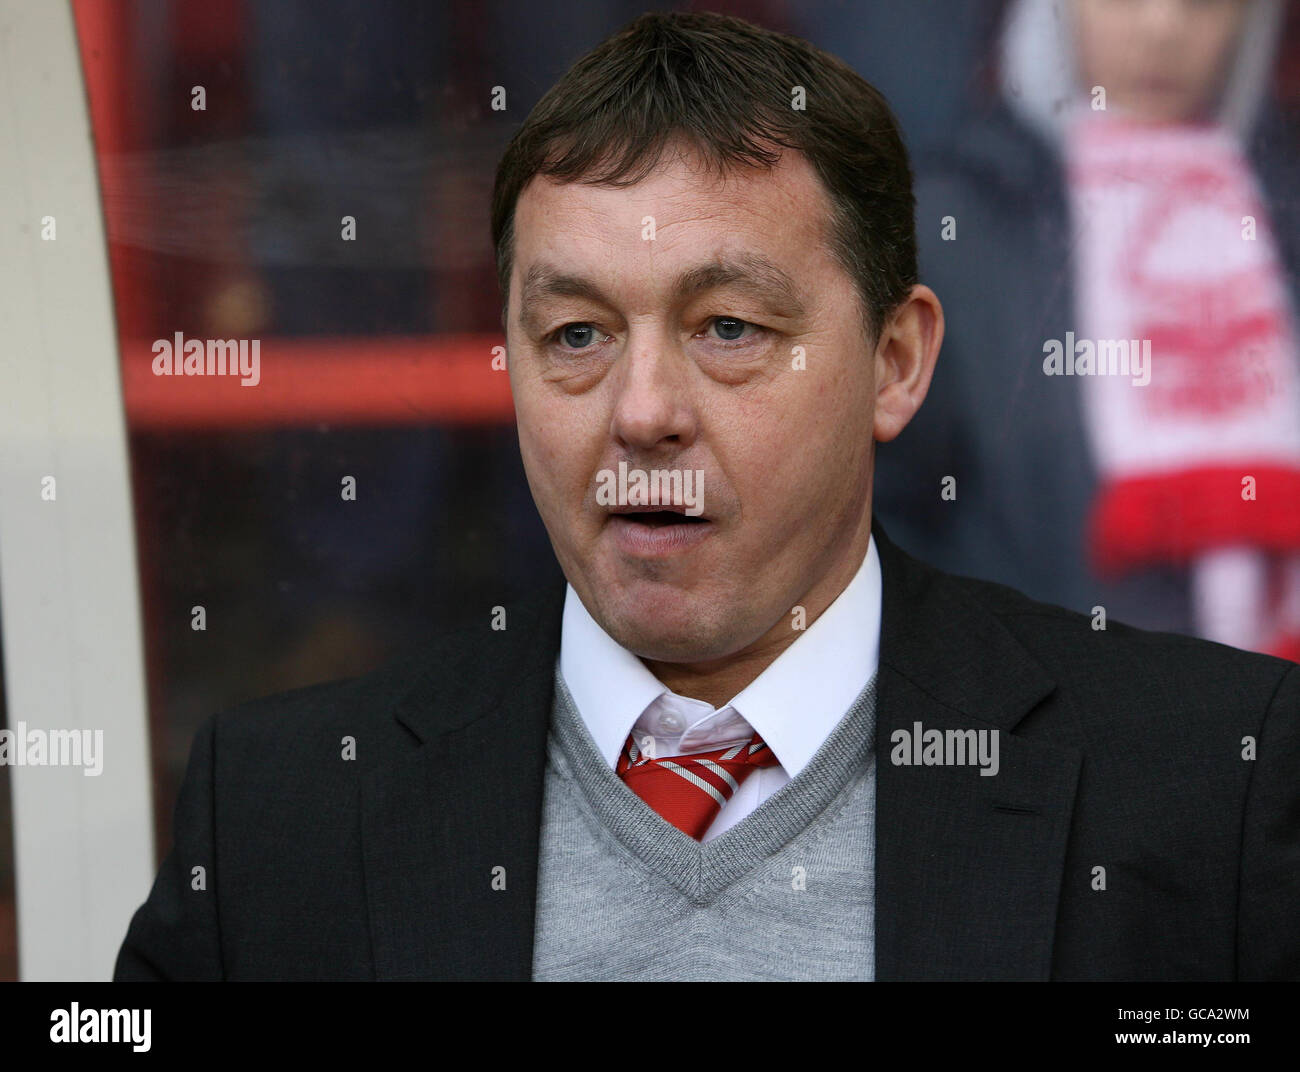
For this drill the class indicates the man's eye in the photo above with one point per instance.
(579, 336)
(575, 336)
(731, 328)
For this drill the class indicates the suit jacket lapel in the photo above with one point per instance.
(450, 828)
(968, 867)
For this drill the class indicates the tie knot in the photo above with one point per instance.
(689, 791)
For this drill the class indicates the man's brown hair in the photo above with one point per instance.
(728, 88)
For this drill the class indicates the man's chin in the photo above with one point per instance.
(650, 642)
(665, 614)
(681, 631)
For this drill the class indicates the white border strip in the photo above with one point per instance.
(83, 846)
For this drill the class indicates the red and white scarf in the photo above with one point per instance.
(1201, 465)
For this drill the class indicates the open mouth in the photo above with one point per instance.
(660, 518)
(658, 534)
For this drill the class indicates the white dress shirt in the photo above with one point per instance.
(793, 705)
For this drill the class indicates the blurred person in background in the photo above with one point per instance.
(1132, 188)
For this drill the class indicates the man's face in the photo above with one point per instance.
(768, 389)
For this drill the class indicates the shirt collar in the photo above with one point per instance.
(793, 705)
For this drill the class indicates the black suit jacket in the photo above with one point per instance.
(1119, 749)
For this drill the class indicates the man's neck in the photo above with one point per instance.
(718, 682)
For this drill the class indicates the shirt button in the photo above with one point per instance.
(671, 723)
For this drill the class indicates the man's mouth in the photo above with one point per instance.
(659, 518)
(657, 532)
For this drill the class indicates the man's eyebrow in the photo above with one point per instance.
(745, 272)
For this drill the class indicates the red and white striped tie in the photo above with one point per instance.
(689, 791)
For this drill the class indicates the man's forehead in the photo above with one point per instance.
(753, 227)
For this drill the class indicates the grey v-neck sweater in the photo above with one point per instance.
(787, 893)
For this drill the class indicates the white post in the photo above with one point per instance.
(73, 659)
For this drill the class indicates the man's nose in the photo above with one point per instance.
(653, 403)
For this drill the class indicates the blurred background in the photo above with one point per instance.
(223, 221)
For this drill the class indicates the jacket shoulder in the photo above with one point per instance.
(1096, 652)
(430, 674)
(342, 705)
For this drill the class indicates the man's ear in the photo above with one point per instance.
(906, 353)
